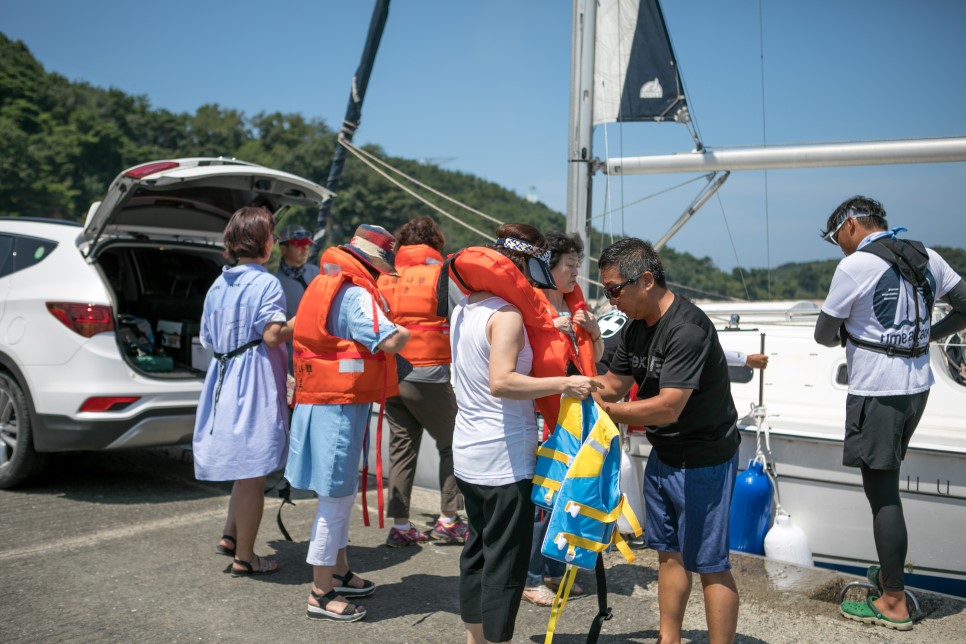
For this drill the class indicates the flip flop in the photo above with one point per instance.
(553, 583)
(351, 612)
(867, 613)
(539, 595)
(225, 550)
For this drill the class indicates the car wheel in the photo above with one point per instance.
(18, 460)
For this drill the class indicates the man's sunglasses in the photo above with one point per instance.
(853, 213)
(614, 292)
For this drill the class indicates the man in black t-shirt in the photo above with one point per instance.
(670, 349)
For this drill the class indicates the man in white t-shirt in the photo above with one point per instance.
(879, 307)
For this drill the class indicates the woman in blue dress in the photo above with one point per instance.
(241, 427)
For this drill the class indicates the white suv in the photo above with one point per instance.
(97, 321)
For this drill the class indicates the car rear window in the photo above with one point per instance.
(6, 255)
(18, 252)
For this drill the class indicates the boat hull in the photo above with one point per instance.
(804, 394)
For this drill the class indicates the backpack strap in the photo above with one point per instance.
(912, 261)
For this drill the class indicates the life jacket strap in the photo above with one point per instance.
(890, 349)
(628, 512)
(342, 355)
(555, 455)
(550, 484)
(623, 547)
(560, 600)
(575, 508)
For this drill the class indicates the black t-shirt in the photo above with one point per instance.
(611, 326)
(682, 351)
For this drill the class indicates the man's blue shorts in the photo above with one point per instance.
(688, 511)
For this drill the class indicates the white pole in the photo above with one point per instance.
(801, 156)
(698, 202)
(580, 139)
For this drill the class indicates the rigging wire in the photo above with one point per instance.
(692, 118)
(371, 161)
(386, 165)
(651, 196)
(764, 140)
(734, 249)
(360, 154)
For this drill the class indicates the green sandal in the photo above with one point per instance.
(867, 613)
(872, 574)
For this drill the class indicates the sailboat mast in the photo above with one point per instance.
(580, 139)
(353, 114)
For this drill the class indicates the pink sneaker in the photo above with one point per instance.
(403, 538)
(453, 533)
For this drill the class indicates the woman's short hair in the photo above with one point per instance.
(523, 232)
(421, 230)
(247, 232)
(561, 243)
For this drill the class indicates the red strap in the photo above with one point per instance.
(365, 479)
(382, 409)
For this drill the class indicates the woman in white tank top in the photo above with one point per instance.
(495, 440)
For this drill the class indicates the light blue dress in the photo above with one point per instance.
(326, 442)
(245, 435)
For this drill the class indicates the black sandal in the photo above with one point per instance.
(225, 550)
(351, 613)
(349, 591)
(250, 570)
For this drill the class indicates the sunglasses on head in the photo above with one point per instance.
(853, 213)
(614, 292)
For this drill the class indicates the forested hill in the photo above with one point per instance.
(62, 142)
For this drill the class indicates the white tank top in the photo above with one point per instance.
(494, 439)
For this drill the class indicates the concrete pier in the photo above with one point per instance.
(120, 548)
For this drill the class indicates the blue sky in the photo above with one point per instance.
(487, 82)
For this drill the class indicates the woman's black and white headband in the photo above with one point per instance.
(524, 247)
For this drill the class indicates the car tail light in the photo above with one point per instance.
(108, 403)
(142, 171)
(84, 319)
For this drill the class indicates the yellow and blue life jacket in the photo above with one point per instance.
(555, 454)
(587, 500)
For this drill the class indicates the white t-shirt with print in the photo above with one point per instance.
(877, 305)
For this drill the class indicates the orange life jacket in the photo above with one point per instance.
(585, 344)
(413, 300)
(330, 370)
(483, 269)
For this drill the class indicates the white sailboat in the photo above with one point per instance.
(805, 385)
(801, 400)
